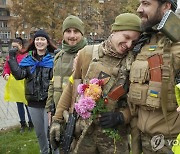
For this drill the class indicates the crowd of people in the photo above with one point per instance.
(119, 96)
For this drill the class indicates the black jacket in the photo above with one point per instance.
(36, 83)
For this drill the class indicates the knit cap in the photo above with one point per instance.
(73, 22)
(41, 33)
(127, 21)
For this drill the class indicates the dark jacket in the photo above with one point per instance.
(36, 82)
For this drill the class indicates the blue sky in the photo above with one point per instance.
(178, 3)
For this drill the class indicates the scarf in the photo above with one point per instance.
(108, 49)
(74, 49)
(47, 61)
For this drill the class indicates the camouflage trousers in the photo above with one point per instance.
(99, 143)
(157, 144)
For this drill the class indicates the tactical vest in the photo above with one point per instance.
(152, 75)
(63, 65)
(117, 72)
(116, 69)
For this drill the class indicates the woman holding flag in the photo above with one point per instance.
(14, 90)
(36, 69)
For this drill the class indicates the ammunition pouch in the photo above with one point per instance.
(139, 71)
(154, 94)
(138, 93)
(149, 97)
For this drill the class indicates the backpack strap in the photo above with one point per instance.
(165, 77)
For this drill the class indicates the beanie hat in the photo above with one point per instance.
(41, 33)
(126, 21)
(73, 22)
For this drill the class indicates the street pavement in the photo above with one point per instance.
(8, 110)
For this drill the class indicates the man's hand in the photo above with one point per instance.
(12, 52)
(111, 119)
(55, 134)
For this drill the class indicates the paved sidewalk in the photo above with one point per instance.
(8, 110)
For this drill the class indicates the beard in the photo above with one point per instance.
(150, 22)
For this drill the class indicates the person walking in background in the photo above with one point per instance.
(73, 41)
(14, 90)
(104, 71)
(152, 90)
(36, 69)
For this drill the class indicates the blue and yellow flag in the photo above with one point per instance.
(154, 93)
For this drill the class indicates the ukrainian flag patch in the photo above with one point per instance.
(152, 48)
(154, 93)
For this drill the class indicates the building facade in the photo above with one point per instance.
(8, 28)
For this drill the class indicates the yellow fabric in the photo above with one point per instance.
(71, 79)
(14, 90)
(176, 147)
(177, 93)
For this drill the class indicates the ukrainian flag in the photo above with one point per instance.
(154, 93)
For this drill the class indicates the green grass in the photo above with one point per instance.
(14, 142)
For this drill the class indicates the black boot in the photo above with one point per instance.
(23, 126)
(31, 126)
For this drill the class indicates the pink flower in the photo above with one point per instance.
(84, 105)
(86, 115)
(81, 88)
(89, 94)
(96, 81)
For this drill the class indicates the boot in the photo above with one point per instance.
(23, 126)
(31, 126)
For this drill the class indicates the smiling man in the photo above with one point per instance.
(110, 62)
(153, 76)
(73, 41)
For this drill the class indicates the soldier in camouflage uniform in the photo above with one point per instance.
(111, 59)
(73, 41)
(152, 89)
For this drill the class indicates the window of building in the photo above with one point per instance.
(5, 35)
(3, 13)
(2, 2)
(3, 24)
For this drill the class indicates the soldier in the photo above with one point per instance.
(73, 41)
(109, 61)
(151, 94)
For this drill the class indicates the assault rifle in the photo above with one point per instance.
(69, 133)
(70, 127)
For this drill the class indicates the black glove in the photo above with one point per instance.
(12, 52)
(111, 119)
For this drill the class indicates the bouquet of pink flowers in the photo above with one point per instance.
(89, 96)
(91, 103)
